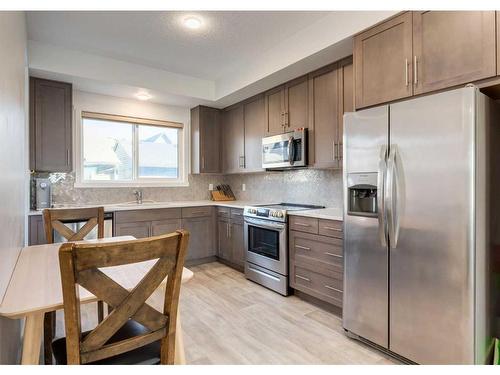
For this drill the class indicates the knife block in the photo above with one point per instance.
(220, 196)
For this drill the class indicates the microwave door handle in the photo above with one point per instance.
(291, 155)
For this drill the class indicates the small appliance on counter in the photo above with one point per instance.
(43, 193)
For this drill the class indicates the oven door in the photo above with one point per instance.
(266, 244)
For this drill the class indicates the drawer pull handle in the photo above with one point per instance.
(333, 255)
(302, 247)
(331, 228)
(236, 214)
(302, 225)
(303, 278)
(198, 212)
(332, 288)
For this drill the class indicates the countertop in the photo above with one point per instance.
(321, 213)
(174, 204)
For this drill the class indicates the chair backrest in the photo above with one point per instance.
(80, 263)
(53, 220)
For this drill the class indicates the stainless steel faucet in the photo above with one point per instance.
(138, 196)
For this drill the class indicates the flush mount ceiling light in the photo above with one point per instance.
(192, 22)
(143, 95)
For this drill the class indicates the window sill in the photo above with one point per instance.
(135, 184)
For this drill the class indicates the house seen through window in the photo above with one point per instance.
(128, 151)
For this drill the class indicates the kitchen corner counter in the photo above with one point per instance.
(321, 213)
(148, 206)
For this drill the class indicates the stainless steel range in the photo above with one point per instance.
(266, 244)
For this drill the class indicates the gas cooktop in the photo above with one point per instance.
(275, 212)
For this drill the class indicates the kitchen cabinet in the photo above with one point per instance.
(233, 140)
(201, 234)
(205, 140)
(286, 106)
(231, 245)
(36, 230)
(452, 48)
(138, 229)
(316, 258)
(255, 129)
(498, 41)
(159, 227)
(50, 125)
(346, 96)
(383, 62)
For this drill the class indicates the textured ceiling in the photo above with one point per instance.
(158, 39)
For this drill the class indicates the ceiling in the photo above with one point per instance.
(235, 54)
(160, 40)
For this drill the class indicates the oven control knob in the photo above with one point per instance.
(280, 214)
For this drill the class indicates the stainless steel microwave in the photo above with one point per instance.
(287, 150)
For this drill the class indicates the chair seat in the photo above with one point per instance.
(148, 354)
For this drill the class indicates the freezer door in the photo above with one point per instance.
(431, 211)
(365, 305)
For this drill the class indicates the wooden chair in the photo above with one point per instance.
(133, 332)
(53, 220)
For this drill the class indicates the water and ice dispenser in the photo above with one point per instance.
(362, 194)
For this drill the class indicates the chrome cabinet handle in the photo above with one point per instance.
(340, 151)
(407, 80)
(302, 225)
(303, 278)
(197, 212)
(382, 215)
(302, 247)
(415, 71)
(67, 156)
(335, 151)
(202, 162)
(332, 288)
(331, 228)
(333, 255)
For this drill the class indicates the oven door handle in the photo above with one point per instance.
(265, 224)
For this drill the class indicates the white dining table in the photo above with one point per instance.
(35, 288)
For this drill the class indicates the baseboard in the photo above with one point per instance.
(319, 303)
(196, 262)
(237, 267)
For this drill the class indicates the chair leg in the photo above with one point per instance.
(49, 331)
(100, 311)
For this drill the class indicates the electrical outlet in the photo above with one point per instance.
(210, 187)
(243, 187)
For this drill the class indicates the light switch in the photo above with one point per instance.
(243, 187)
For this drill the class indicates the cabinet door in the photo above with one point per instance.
(346, 96)
(210, 140)
(201, 234)
(275, 110)
(382, 62)
(36, 231)
(165, 226)
(325, 117)
(224, 240)
(452, 48)
(296, 104)
(237, 244)
(498, 42)
(50, 125)
(138, 229)
(255, 129)
(233, 140)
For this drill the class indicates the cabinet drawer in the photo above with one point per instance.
(304, 224)
(196, 211)
(147, 215)
(223, 211)
(330, 228)
(236, 215)
(329, 289)
(319, 253)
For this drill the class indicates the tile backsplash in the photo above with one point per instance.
(307, 186)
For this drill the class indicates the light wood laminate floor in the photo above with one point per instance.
(229, 320)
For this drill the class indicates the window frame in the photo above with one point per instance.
(136, 181)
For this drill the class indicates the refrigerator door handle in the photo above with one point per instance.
(382, 216)
(393, 197)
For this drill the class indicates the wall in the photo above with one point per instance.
(13, 167)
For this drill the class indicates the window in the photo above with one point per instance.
(126, 151)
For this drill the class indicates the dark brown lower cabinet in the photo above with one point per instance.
(201, 232)
(231, 245)
(316, 259)
(36, 231)
(138, 229)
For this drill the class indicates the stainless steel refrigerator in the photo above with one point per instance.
(419, 181)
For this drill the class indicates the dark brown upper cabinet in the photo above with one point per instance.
(383, 62)
(286, 106)
(233, 139)
(50, 125)
(205, 140)
(255, 129)
(452, 48)
(330, 96)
